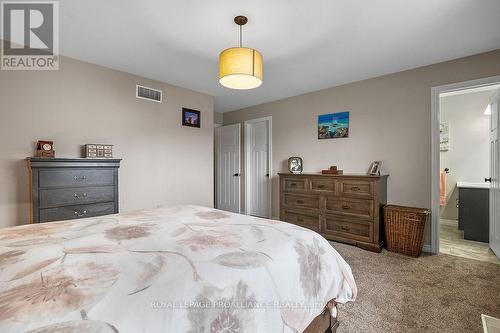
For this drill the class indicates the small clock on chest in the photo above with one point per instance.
(45, 149)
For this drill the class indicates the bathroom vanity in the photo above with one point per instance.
(473, 210)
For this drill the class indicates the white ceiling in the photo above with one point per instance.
(307, 44)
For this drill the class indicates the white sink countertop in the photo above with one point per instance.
(473, 185)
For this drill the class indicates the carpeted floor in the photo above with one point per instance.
(439, 293)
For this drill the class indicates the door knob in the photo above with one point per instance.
(267, 175)
(236, 175)
(487, 180)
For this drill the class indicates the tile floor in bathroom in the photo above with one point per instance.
(452, 242)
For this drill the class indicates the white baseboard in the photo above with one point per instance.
(427, 248)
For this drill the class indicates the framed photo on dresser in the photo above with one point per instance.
(374, 169)
(295, 165)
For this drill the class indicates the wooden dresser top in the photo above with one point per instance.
(348, 175)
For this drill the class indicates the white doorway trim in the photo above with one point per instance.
(435, 92)
(247, 162)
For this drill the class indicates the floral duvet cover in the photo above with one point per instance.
(181, 269)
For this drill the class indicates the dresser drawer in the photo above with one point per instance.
(362, 208)
(345, 208)
(76, 212)
(66, 177)
(76, 196)
(294, 184)
(303, 219)
(322, 185)
(356, 188)
(351, 229)
(301, 201)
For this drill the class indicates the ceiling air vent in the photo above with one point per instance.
(148, 93)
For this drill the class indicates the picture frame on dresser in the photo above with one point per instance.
(295, 165)
(67, 189)
(374, 168)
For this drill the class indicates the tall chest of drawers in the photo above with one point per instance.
(64, 189)
(346, 208)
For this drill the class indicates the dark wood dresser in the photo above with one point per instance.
(346, 208)
(64, 189)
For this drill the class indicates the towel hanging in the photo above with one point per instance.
(442, 187)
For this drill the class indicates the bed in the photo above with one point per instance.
(181, 269)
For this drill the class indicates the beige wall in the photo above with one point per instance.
(468, 157)
(163, 163)
(218, 118)
(390, 120)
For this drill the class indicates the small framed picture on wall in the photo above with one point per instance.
(191, 118)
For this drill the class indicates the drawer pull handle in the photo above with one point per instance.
(80, 214)
(321, 186)
(346, 207)
(77, 196)
(76, 178)
(293, 184)
(345, 228)
(300, 202)
(355, 188)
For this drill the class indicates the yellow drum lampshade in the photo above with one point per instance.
(240, 68)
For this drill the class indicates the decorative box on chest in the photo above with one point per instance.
(98, 151)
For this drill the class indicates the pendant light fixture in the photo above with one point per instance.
(240, 67)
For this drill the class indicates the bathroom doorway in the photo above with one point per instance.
(464, 179)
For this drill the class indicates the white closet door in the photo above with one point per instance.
(228, 167)
(495, 175)
(258, 164)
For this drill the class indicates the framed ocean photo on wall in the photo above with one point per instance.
(191, 118)
(333, 125)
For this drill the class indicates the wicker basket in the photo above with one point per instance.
(404, 229)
